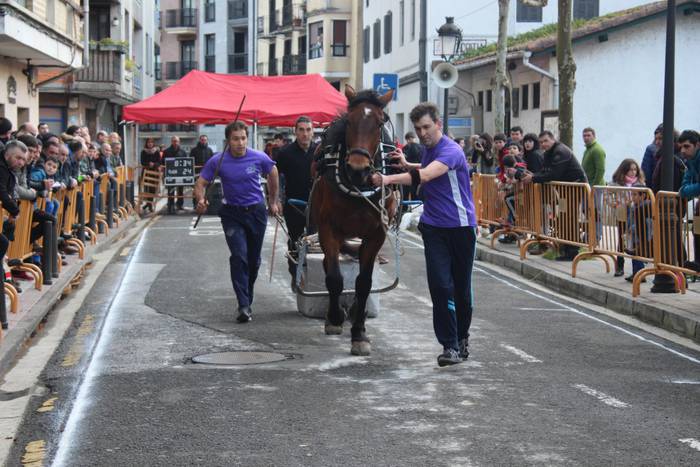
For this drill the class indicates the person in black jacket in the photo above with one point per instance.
(532, 155)
(175, 151)
(150, 159)
(560, 165)
(202, 152)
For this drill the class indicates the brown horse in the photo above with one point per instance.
(345, 205)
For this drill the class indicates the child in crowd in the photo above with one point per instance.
(42, 179)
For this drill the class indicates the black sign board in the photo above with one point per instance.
(179, 171)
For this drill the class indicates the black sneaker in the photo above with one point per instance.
(448, 357)
(245, 314)
(464, 348)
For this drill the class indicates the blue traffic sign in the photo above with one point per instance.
(383, 82)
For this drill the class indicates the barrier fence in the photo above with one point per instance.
(81, 213)
(660, 233)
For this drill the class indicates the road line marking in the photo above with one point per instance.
(601, 396)
(692, 442)
(521, 353)
(48, 405)
(542, 309)
(579, 312)
(34, 453)
(685, 381)
(411, 242)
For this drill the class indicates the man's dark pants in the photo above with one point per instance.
(180, 202)
(296, 223)
(244, 229)
(4, 245)
(449, 258)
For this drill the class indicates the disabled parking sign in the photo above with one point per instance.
(383, 82)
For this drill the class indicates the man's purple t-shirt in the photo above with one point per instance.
(447, 199)
(240, 176)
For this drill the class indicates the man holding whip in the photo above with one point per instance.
(242, 213)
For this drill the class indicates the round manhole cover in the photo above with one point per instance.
(239, 358)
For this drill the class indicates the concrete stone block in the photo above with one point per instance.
(532, 272)
(649, 314)
(684, 325)
(314, 279)
(621, 303)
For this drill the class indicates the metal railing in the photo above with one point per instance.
(294, 64)
(181, 18)
(340, 50)
(105, 66)
(176, 70)
(181, 128)
(238, 63)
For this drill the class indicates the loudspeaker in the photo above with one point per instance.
(445, 75)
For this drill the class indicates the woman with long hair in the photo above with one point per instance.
(629, 175)
(150, 159)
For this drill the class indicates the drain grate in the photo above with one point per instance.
(239, 358)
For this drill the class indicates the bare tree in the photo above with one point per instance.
(567, 73)
(501, 78)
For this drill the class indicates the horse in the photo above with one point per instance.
(344, 204)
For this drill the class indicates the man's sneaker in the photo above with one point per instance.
(448, 357)
(464, 349)
(245, 314)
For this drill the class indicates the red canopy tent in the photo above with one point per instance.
(201, 98)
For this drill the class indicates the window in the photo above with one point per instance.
(387, 33)
(365, 44)
(489, 98)
(525, 93)
(535, 95)
(515, 102)
(528, 14)
(402, 20)
(339, 45)
(210, 52)
(209, 11)
(480, 98)
(99, 23)
(149, 55)
(316, 40)
(586, 9)
(413, 20)
(376, 39)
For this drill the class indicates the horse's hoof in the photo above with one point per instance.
(332, 330)
(360, 348)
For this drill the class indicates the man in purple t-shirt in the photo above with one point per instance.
(242, 213)
(448, 226)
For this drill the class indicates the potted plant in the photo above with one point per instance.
(109, 44)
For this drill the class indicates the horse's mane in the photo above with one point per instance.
(335, 133)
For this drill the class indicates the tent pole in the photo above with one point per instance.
(255, 134)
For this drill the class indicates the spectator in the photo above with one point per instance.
(44, 175)
(485, 160)
(115, 159)
(689, 142)
(150, 159)
(593, 162)
(469, 152)
(101, 137)
(277, 143)
(86, 165)
(201, 153)
(27, 128)
(649, 160)
(629, 175)
(459, 140)
(175, 151)
(22, 189)
(531, 153)
(70, 133)
(500, 150)
(678, 165)
(516, 135)
(5, 130)
(114, 138)
(412, 150)
(43, 129)
(103, 161)
(560, 165)
(13, 158)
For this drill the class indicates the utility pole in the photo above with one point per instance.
(567, 73)
(501, 83)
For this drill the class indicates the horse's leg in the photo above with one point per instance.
(334, 279)
(363, 284)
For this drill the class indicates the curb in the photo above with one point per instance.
(671, 319)
(14, 339)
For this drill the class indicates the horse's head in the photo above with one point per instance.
(363, 132)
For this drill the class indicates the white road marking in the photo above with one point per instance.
(541, 309)
(685, 381)
(601, 396)
(521, 353)
(692, 442)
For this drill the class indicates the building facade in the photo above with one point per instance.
(398, 38)
(40, 40)
(621, 57)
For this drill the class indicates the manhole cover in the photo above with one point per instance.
(239, 358)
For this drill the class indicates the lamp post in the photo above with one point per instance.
(447, 45)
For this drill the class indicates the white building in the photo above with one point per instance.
(397, 31)
(619, 80)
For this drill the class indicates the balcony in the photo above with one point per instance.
(294, 64)
(176, 70)
(238, 63)
(292, 16)
(179, 128)
(273, 23)
(183, 21)
(150, 128)
(261, 25)
(340, 50)
(237, 9)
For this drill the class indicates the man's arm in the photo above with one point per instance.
(273, 191)
(200, 188)
(434, 170)
(599, 163)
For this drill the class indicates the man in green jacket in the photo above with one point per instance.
(593, 162)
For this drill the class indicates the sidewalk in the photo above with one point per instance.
(677, 313)
(35, 305)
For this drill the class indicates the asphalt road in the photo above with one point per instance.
(548, 382)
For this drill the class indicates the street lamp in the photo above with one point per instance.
(447, 45)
